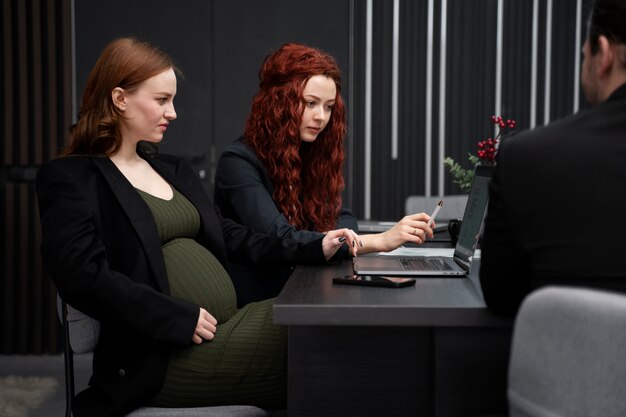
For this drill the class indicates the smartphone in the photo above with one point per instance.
(374, 281)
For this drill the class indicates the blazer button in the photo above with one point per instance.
(121, 373)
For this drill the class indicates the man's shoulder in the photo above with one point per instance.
(548, 135)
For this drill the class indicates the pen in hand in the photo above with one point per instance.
(435, 212)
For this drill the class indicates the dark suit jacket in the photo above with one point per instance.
(244, 192)
(101, 247)
(557, 206)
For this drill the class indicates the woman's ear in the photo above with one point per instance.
(118, 95)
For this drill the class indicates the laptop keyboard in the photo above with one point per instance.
(421, 264)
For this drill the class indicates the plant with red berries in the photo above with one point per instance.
(485, 154)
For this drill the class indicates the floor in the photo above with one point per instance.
(48, 365)
(53, 366)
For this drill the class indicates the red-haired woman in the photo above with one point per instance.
(284, 176)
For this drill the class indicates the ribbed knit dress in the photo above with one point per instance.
(246, 361)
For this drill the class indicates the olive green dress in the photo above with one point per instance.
(246, 361)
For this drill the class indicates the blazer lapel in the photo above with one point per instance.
(140, 217)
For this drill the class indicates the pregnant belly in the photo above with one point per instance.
(195, 275)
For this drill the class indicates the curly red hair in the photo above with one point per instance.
(307, 176)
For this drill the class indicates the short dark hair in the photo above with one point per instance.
(608, 18)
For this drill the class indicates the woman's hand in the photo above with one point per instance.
(206, 327)
(334, 239)
(412, 228)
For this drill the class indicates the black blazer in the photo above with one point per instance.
(556, 208)
(101, 247)
(244, 192)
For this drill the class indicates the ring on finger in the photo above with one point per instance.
(415, 231)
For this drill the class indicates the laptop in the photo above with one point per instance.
(456, 265)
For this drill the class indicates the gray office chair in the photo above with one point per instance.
(567, 356)
(81, 334)
(453, 207)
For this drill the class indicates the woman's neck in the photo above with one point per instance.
(127, 155)
(140, 174)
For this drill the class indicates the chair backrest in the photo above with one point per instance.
(453, 206)
(82, 334)
(84, 331)
(567, 356)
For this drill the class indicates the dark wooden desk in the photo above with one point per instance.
(428, 350)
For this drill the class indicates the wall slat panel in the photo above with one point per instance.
(36, 113)
(7, 82)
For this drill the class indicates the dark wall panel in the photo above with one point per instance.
(356, 108)
(563, 55)
(382, 184)
(35, 114)
(517, 61)
(183, 31)
(412, 95)
(470, 84)
(395, 178)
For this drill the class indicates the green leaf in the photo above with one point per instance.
(461, 176)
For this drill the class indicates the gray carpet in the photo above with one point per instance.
(21, 394)
(42, 371)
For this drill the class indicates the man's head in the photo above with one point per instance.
(604, 65)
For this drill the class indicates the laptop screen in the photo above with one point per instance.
(474, 214)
